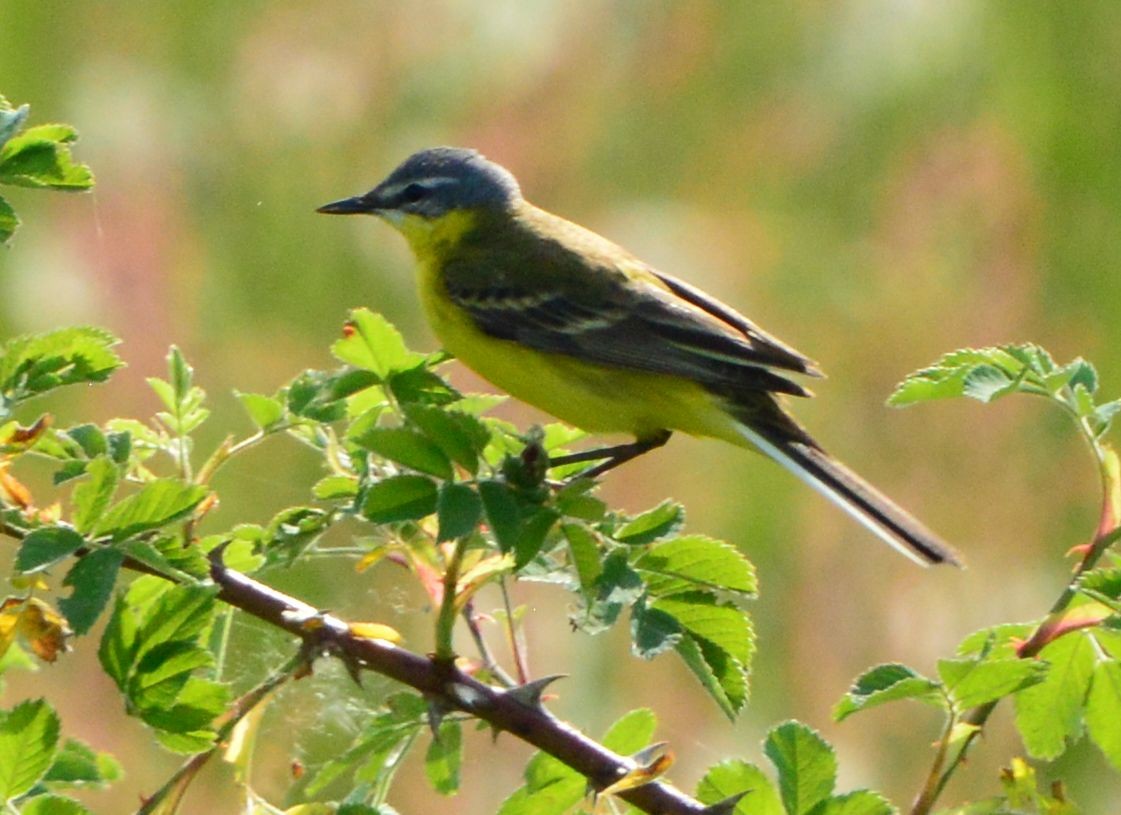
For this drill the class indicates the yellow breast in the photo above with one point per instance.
(594, 397)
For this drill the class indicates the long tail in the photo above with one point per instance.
(853, 494)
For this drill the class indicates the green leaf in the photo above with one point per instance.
(722, 624)
(886, 683)
(335, 487)
(40, 157)
(653, 632)
(723, 676)
(89, 438)
(375, 345)
(92, 497)
(444, 758)
(461, 437)
(11, 120)
(192, 709)
(732, 777)
(179, 374)
(503, 512)
(1103, 710)
(144, 552)
(92, 578)
(631, 732)
(532, 536)
(9, 221)
(46, 546)
(860, 802)
(419, 385)
(617, 587)
(264, 411)
(806, 764)
(53, 805)
(1049, 714)
(78, 765)
(28, 738)
(649, 526)
(400, 498)
(986, 383)
(458, 510)
(973, 682)
(157, 503)
(584, 551)
(293, 530)
(36, 363)
(407, 447)
(696, 561)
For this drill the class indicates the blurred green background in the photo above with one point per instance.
(875, 181)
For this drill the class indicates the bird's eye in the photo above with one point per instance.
(413, 193)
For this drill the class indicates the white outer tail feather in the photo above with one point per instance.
(837, 498)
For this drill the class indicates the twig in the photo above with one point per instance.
(445, 682)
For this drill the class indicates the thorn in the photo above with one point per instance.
(435, 712)
(728, 805)
(530, 693)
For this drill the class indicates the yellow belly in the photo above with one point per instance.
(595, 398)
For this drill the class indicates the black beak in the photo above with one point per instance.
(351, 206)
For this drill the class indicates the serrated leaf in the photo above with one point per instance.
(92, 579)
(722, 624)
(860, 802)
(458, 510)
(724, 677)
(400, 498)
(444, 757)
(461, 437)
(584, 553)
(1103, 710)
(886, 683)
(264, 411)
(1049, 714)
(407, 447)
(28, 739)
(419, 385)
(532, 536)
(986, 383)
(649, 526)
(973, 682)
(731, 777)
(40, 157)
(92, 497)
(46, 546)
(77, 764)
(11, 120)
(696, 561)
(53, 805)
(631, 732)
(36, 363)
(157, 503)
(503, 512)
(374, 344)
(653, 632)
(617, 587)
(334, 487)
(806, 764)
(9, 221)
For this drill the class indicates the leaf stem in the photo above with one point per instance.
(445, 621)
(520, 663)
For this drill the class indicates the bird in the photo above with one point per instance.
(566, 320)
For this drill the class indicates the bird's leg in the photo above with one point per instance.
(612, 457)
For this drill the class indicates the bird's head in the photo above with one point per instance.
(430, 188)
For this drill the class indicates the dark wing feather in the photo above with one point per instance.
(630, 323)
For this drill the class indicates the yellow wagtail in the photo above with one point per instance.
(564, 319)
